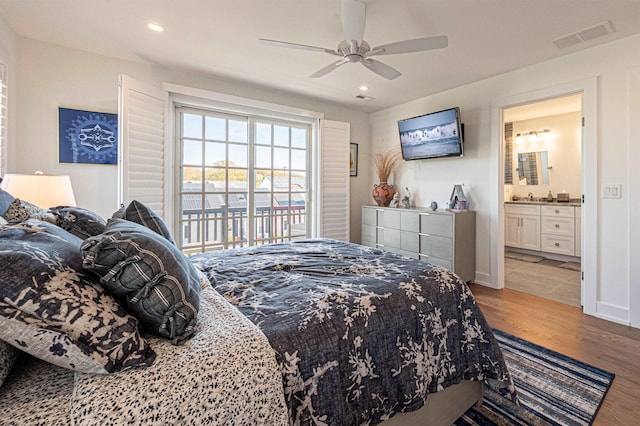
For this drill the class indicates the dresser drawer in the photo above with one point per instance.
(410, 221)
(368, 235)
(558, 244)
(434, 245)
(558, 226)
(410, 241)
(389, 218)
(436, 224)
(388, 238)
(557, 211)
(445, 263)
(370, 216)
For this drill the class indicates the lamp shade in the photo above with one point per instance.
(42, 190)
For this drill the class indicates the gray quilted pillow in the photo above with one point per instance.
(139, 213)
(53, 310)
(147, 272)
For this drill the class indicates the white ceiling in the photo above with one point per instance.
(547, 108)
(220, 37)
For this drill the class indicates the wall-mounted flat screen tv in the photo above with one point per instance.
(433, 135)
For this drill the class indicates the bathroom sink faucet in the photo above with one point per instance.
(531, 196)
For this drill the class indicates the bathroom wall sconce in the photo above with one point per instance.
(534, 136)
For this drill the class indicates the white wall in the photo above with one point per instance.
(433, 179)
(563, 149)
(9, 57)
(52, 76)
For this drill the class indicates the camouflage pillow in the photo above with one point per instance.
(53, 310)
(80, 222)
(8, 357)
(20, 210)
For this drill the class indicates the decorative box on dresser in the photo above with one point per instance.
(440, 237)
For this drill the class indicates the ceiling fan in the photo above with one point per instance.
(354, 49)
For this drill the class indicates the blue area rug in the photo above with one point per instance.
(553, 389)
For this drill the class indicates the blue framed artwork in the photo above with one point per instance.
(87, 137)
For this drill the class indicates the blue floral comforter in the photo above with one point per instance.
(360, 334)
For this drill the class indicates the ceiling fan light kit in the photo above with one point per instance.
(354, 49)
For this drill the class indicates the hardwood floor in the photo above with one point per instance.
(565, 329)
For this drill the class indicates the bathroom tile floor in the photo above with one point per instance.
(544, 279)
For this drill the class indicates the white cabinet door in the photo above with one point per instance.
(530, 232)
(512, 230)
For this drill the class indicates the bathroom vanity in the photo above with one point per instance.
(551, 227)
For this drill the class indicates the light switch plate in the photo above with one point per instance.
(611, 191)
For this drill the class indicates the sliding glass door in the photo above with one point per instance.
(242, 180)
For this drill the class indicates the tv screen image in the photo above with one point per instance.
(432, 135)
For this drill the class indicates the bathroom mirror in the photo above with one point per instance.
(533, 168)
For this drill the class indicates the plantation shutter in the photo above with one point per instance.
(141, 154)
(334, 180)
(4, 106)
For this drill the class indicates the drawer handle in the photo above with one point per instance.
(557, 244)
(557, 211)
(557, 225)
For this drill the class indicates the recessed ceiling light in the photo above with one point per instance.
(155, 27)
(364, 88)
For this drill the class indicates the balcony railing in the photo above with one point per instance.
(221, 228)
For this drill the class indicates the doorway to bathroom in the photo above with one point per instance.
(542, 146)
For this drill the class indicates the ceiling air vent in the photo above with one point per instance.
(586, 34)
(364, 97)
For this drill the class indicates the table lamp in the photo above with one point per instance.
(42, 190)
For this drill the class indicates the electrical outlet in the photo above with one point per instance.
(612, 191)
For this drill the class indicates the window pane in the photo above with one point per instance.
(238, 180)
(281, 181)
(298, 159)
(238, 155)
(298, 181)
(298, 138)
(237, 131)
(281, 135)
(263, 180)
(191, 179)
(214, 154)
(263, 156)
(216, 178)
(281, 158)
(215, 128)
(297, 222)
(263, 133)
(192, 152)
(192, 126)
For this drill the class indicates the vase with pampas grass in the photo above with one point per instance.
(386, 162)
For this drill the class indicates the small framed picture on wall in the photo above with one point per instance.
(353, 159)
(87, 137)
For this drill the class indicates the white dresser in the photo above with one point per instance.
(439, 237)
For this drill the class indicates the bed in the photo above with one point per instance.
(313, 331)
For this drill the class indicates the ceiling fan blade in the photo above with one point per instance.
(326, 70)
(381, 69)
(415, 45)
(353, 20)
(298, 46)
